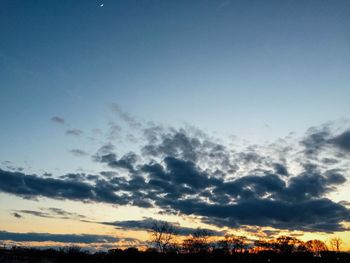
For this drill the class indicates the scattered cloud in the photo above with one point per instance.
(318, 139)
(126, 117)
(17, 215)
(342, 141)
(74, 132)
(78, 152)
(65, 238)
(51, 212)
(58, 120)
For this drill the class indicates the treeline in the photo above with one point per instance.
(167, 245)
(164, 237)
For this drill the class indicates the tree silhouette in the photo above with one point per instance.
(198, 242)
(286, 244)
(232, 244)
(316, 246)
(163, 234)
(336, 243)
(263, 244)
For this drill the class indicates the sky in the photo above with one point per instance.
(229, 115)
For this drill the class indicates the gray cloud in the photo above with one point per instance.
(74, 132)
(17, 215)
(32, 186)
(78, 152)
(65, 238)
(342, 141)
(321, 138)
(184, 172)
(51, 212)
(127, 161)
(59, 120)
(146, 224)
(126, 117)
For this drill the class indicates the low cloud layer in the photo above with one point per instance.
(147, 224)
(51, 212)
(64, 238)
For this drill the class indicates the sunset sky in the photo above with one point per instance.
(228, 115)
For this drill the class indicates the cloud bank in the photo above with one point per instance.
(64, 238)
(185, 172)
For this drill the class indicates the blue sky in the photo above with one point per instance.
(231, 66)
(258, 70)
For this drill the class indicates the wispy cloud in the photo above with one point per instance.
(74, 132)
(51, 212)
(65, 238)
(58, 120)
(78, 152)
(126, 117)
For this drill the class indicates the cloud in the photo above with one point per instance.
(184, 172)
(51, 212)
(316, 139)
(65, 238)
(114, 131)
(322, 138)
(74, 132)
(126, 117)
(146, 224)
(78, 152)
(126, 162)
(281, 169)
(17, 215)
(342, 141)
(32, 186)
(58, 120)
(321, 215)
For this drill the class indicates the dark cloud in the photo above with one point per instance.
(52, 212)
(32, 186)
(281, 169)
(17, 215)
(104, 149)
(342, 141)
(78, 152)
(146, 224)
(315, 140)
(250, 157)
(65, 238)
(59, 120)
(176, 144)
(312, 184)
(313, 215)
(74, 132)
(185, 172)
(34, 213)
(189, 145)
(127, 161)
(321, 138)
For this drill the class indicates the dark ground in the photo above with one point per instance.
(19, 255)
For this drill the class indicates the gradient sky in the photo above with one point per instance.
(252, 76)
